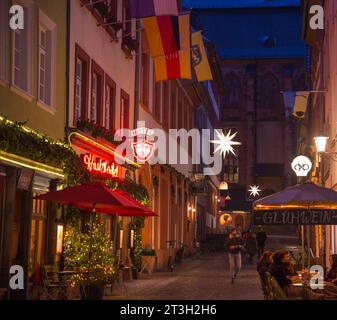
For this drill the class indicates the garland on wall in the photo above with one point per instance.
(17, 139)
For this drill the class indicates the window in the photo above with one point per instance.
(81, 84)
(47, 41)
(166, 104)
(145, 72)
(38, 233)
(231, 169)
(96, 93)
(3, 40)
(270, 97)
(126, 18)
(125, 106)
(110, 104)
(112, 10)
(232, 98)
(180, 110)
(173, 123)
(157, 100)
(21, 66)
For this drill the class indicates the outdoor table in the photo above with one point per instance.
(298, 282)
(65, 273)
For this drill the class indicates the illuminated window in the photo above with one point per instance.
(38, 233)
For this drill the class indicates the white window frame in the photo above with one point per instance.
(28, 22)
(47, 25)
(78, 88)
(4, 41)
(94, 101)
(107, 107)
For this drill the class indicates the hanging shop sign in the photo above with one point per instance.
(295, 217)
(100, 166)
(301, 166)
(143, 150)
(25, 179)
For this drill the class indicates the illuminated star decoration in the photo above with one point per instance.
(254, 190)
(225, 142)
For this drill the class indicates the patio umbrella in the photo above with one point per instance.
(302, 204)
(92, 195)
(307, 195)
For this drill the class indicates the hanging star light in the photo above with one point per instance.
(254, 190)
(225, 142)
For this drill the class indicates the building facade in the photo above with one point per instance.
(32, 110)
(322, 77)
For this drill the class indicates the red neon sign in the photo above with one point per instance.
(105, 167)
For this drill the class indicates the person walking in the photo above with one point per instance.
(250, 246)
(234, 245)
(261, 238)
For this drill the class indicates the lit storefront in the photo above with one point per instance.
(98, 158)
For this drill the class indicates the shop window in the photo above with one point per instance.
(37, 237)
(125, 110)
(21, 54)
(110, 104)
(47, 57)
(82, 62)
(96, 93)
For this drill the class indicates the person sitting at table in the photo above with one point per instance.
(264, 263)
(279, 269)
(332, 274)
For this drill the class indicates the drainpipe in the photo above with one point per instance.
(68, 65)
(137, 64)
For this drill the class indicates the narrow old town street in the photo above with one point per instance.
(203, 278)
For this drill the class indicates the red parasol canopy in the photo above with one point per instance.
(99, 196)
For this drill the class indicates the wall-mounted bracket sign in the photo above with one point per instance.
(100, 166)
(301, 166)
(295, 217)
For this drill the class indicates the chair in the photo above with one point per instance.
(265, 287)
(51, 285)
(268, 287)
(278, 293)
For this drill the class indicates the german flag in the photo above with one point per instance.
(176, 64)
(162, 33)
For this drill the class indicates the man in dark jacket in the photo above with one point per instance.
(261, 238)
(234, 245)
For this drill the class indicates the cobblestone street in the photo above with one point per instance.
(205, 278)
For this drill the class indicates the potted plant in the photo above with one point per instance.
(96, 272)
(129, 45)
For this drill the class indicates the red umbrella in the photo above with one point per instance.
(99, 197)
(124, 194)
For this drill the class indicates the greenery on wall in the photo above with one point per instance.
(15, 138)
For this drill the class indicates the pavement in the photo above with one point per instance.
(203, 278)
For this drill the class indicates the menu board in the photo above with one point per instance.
(25, 179)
